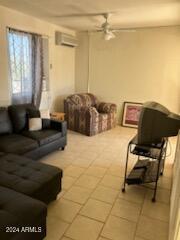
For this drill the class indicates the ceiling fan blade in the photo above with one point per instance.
(82, 15)
(98, 27)
(96, 30)
(123, 30)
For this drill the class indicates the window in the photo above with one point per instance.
(20, 56)
(28, 58)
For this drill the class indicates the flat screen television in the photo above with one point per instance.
(155, 123)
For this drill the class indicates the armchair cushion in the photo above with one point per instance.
(106, 107)
(91, 111)
(103, 117)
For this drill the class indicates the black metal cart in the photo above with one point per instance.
(149, 165)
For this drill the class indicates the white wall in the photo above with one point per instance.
(82, 63)
(138, 66)
(62, 58)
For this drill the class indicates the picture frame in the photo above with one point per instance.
(131, 112)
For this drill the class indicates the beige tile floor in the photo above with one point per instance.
(91, 205)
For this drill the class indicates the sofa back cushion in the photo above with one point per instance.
(19, 116)
(5, 122)
(83, 99)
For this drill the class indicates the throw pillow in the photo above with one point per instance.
(44, 115)
(35, 124)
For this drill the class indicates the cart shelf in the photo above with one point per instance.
(148, 169)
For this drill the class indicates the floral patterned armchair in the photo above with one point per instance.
(84, 114)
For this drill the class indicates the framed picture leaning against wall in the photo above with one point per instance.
(131, 112)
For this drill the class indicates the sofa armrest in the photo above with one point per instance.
(59, 126)
(106, 107)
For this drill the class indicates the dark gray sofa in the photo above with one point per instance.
(15, 137)
(26, 186)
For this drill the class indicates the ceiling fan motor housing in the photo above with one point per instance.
(106, 27)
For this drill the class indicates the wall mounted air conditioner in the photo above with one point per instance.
(65, 39)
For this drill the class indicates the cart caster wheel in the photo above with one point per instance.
(153, 200)
(123, 189)
(161, 174)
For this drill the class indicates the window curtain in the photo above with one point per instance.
(26, 67)
(37, 69)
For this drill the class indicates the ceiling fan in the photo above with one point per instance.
(106, 28)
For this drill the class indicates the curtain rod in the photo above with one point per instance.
(23, 31)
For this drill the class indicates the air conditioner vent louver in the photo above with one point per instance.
(65, 39)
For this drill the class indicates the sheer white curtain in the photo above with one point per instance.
(20, 56)
(26, 67)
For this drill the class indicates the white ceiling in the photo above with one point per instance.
(127, 13)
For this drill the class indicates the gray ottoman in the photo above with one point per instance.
(35, 179)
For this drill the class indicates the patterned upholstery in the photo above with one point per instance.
(86, 115)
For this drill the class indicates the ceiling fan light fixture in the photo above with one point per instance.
(108, 36)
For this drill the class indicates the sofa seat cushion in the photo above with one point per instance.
(18, 211)
(15, 143)
(44, 136)
(35, 179)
